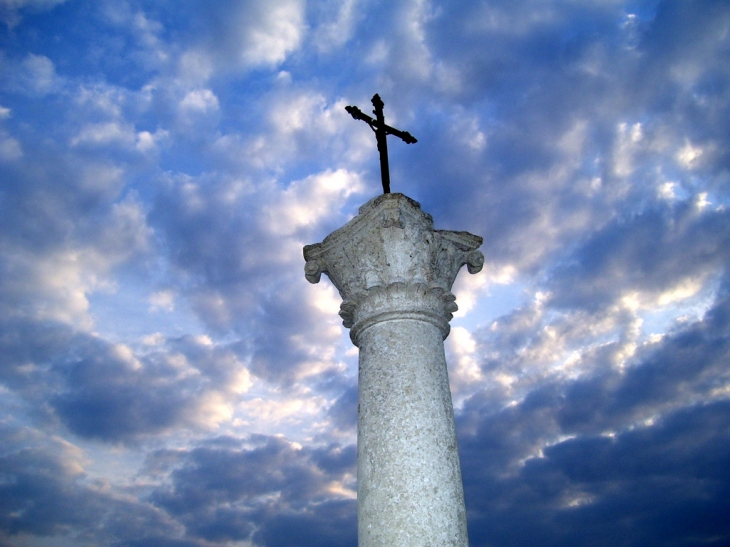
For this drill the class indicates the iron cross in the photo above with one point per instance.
(381, 131)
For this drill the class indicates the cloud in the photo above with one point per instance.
(106, 391)
(242, 36)
(36, 477)
(45, 494)
(105, 133)
(336, 21)
(581, 456)
(677, 371)
(574, 187)
(163, 300)
(233, 257)
(651, 485)
(52, 264)
(308, 202)
(34, 75)
(649, 254)
(295, 123)
(232, 491)
(199, 100)
(10, 9)
(168, 376)
(85, 405)
(10, 149)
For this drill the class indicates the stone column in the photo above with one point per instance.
(395, 273)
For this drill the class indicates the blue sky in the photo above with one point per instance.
(169, 378)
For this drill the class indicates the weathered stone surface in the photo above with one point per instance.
(409, 480)
(391, 241)
(395, 273)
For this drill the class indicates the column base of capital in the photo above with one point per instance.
(396, 302)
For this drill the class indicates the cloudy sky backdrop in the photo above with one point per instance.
(169, 378)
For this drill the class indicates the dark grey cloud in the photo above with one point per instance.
(332, 523)
(45, 191)
(39, 494)
(660, 485)
(104, 397)
(227, 491)
(686, 366)
(102, 390)
(621, 457)
(343, 411)
(280, 316)
(43, 493)
(650, 252)
(220, 491)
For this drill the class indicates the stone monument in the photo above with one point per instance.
(394, 273)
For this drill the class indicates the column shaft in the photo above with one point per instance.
(409, 478)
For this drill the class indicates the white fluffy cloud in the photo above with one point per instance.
(308, 202)
(33, 75)
(244, 35)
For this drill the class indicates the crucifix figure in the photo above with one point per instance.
(381, 131)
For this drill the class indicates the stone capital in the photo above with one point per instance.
(389, 260)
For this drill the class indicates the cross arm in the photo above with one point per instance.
(403, 135)
(358, 114)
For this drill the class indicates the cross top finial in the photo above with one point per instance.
(378, 102)
(381, 132)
